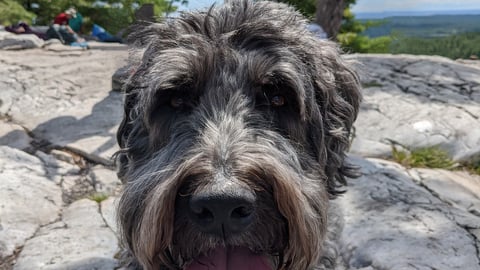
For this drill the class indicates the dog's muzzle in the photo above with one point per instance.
(224, 211)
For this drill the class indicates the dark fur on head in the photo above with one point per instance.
(241, 92)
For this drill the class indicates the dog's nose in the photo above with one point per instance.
(222, 214)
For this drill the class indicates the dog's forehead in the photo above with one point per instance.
(204, 62)
(241, 38)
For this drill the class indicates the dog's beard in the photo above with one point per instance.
(231, 258)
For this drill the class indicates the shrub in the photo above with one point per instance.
(12, 12)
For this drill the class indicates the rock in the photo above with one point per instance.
(57, 205)
(14, 136)
(119, 78)
(57, 169)
(75, 187)
(417, 101)
(57, 46)
(472, 63)
(107, 46)
(81, 240)
(65, 99)
(10, 41)
(456, 188)
(108, 208)
(28, 199)
(105, 181)
(392, 223)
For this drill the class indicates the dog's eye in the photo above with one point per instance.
(176, 102)
(277, 101)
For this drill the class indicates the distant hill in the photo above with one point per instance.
(386, 14)
(425, 26)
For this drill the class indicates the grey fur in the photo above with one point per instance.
(225, 66)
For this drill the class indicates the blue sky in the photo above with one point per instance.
(198, 4)
(382, 5)
(414, 5)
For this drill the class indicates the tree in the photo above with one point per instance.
(351, 38)
(12, 12)
(306, 7)
(329, 15)
(326, 13)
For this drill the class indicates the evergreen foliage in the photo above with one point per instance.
(12, 12)
(464, 45)
(113, 16)
(306, 7)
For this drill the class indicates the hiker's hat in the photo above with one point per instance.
(71, 11)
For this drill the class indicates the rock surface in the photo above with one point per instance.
(417, 101)
(58, 119)
(391, 222)
(10, 41)
(81, 240)
(64, 97)
(29, 199)
(58, 190)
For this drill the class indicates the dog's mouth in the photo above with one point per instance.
(231, 258)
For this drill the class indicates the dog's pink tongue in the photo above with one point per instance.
(231, 259)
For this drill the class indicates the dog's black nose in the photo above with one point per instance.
(222, 214)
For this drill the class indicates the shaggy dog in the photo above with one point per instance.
(233, 141)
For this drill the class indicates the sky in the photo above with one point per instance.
(381, 5)
(199, 4)
(414, 5)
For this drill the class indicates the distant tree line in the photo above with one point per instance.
(340, 24)
(465, 45)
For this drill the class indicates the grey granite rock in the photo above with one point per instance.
(392, 223)
(395, 218)
(64, 97)
(457, 188)
(28, 198)
(418, 101)
(108, 208)
(105, 180)
(119, 78)
(80, 241)
(14, 136)
(10, 41)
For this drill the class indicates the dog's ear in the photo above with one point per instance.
(129, 133)
(123, 133)
(337, 94)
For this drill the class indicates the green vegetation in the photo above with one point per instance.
(452, 36)
(352, 39)
(476, 169)
(306, 7)
(98, 197)
(431, 157)
(114, 16)
(11, 12)
(455, 46)
(427, 157)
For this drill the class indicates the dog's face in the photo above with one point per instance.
(236, 123)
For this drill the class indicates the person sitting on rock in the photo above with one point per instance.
(62, 31)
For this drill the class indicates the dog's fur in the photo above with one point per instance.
(239, 97)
